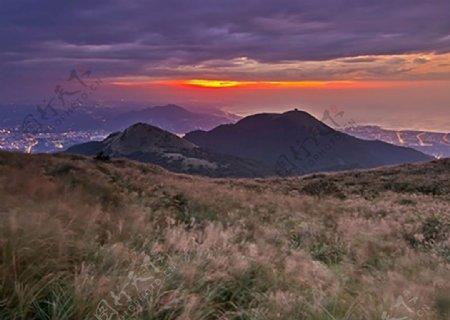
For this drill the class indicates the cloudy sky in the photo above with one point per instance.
(384, 62)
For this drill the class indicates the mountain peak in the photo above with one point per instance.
(142, 126)
(293, 118)
(171, 108)
(141, 137)
(298, 140)
(296, 112)
(300, 117)
(139, 124)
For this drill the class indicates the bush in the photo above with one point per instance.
(239, 294)
(414, 187)
(443, 307)
(430, 236)
(433, 230)
(101, 156)
(60, 169)
(190, 213)
(406, 202)
(326, 253)
(323, 188)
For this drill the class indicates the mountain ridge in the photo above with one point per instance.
(303, 143)
(150, 144)
(256, 146)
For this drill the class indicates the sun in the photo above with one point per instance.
(214, 83)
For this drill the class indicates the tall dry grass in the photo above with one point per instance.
(76, 233)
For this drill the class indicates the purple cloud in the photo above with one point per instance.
(123, 37)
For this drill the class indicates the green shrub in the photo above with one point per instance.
(321, 188)
(433, 230)
(326, 252)
(239, 295)
(414, 187)
(190, 212)
(406, 202)
(60, 169)
(443, 307)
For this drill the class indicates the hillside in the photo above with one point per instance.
(80, 236)
(295, 142)
(146, 143)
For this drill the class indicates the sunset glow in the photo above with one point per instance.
(263, 84)
(222, 84)
(243, 58)
(215, 83)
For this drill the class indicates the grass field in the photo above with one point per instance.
(86, 239)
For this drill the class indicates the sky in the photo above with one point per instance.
(384, 62)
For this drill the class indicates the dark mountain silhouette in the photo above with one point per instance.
(172, 118)
(295, 142)
(146, 143)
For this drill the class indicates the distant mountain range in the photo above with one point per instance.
(170, 117)
(290, 143)
(436, 144)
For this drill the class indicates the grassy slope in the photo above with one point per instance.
(336, 246)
